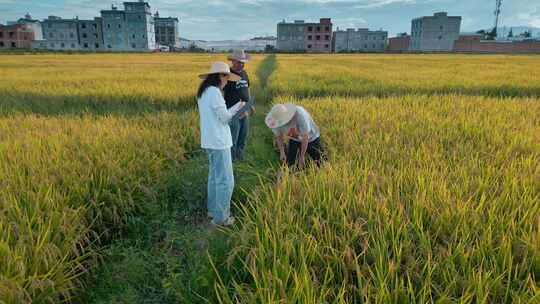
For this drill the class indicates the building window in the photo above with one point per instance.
(108, 25)
(119, 26)
(310, 28)
(441, 28)
(11, 34)
(327, 28)
(326, 46)
(327, 37)
(144, 36)
(365, 46)
(72, 46)
(94, 26)
(53, 45)
(96, 45)
(1, 43)
(318, 37)
(83, 25)
(309, 37)
(374, 46)
(49, 25)
(318, 28)
(96, 35)
(133, 45)
(86, 45)
(84, 35)
(62, 45)
(13, 45)
(440, 37)
(109, 46)
(71, 35)
(1, 34)
(309, 46)
(133, 36)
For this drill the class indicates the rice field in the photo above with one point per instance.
(395, 75)
(424, 200)
(85, 142)
(431, 193)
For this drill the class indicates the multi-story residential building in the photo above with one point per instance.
(131, 29)
(361, 40)
(291, 36)
(140, 25)
(33, 24)
(113, 22)
(91, 35)
(319, 36)
(435, 33)
(167, 31)
(300, 36)
(60, 34)
(16, 36)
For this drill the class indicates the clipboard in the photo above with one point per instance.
(246, 108)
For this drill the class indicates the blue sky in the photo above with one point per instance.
(241, 19)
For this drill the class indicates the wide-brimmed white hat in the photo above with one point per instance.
(239, 55)
(280, 115)
(220, 68)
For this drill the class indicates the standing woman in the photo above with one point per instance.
(217, 141)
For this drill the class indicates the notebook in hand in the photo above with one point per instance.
(246, 108)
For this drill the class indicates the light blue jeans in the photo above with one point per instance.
(239, 132)
(220, 184)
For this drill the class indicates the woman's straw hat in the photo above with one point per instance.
(280, 115)
(239, 55)
(221, 68)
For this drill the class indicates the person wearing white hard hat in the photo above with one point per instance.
(304, 136)
(235, 92)
(217, 141)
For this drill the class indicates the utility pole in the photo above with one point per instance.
(498, 6)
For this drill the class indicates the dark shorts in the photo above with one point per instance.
(315, 150)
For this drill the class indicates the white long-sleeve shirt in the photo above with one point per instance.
(214, 117)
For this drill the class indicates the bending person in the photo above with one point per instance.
(217, 141)
(294, 122)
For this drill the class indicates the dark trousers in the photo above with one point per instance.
(315, 150)
(239, 132)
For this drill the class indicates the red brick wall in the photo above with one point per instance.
(475, 46)
(398, 44)
(470, 37)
